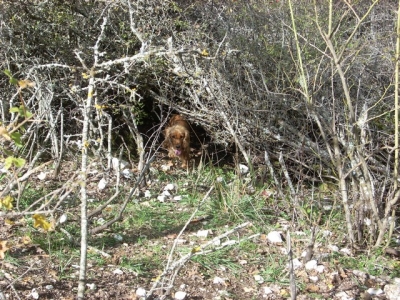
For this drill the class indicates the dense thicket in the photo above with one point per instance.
(316, 90)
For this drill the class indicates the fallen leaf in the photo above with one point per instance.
(7, 202)
(204, 52)
(4, 133)
(312, 288)
(3, 248)
(196, 249)
(40, 221)
(26, 240)
(9, 222)
(284, 293)
(23, 84)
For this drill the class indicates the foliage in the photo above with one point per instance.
(257, 80)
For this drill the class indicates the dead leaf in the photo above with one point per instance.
(9, 222)
(312, 288)
(3, 249)
(4, 133)
(171, 236)
(40, 221)
(196, 249)
(7, 202)
(247, 289)
(284, 293)
(23, 84)
(263, 237)
(26, 240)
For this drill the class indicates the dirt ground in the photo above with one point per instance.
(36, 275)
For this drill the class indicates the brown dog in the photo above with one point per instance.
(177, 139)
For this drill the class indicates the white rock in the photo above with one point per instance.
(91, 286)
(3, 170)
(118, 272)
(202, 233)
(314, 278)
(327, 233)
(127, 173)
(161, 198)
(78, 143)
(266, 290)
(114, 163)
(100, 221)
(311, 265)
(218, 280)
(34, 294)
(177, 198)
(392, 291)
(392, 220)
(42, 176)
(300, 233)
(229, 243)
(166, 193)
(180, 295)
(367, 221)
(165, 168)
(147, 194)
(141, 292)
(216, 242)
(118, 237)
(259, 279)
(274, 237)
(333, 248)
(343, 296)
(49, 287)
(122, 163)
(376, 292)
(243, 169)
(297, 263)
(345, 251)
(102, 184)
(320, 268)
(63, 218)
(169, 187)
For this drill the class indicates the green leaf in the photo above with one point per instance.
(19, 162)
(12, 79)
(8, 73)
(11, 160)
(8, 162)
(22, 111)
(16, 137)
(28, 114)
(14, 109)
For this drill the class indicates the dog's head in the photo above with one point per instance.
(177, 137)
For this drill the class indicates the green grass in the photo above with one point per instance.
(374, 264)
(275, 270)
(217, 260)
(148, 229)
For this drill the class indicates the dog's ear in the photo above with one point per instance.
(166, 142)
(186, 137)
